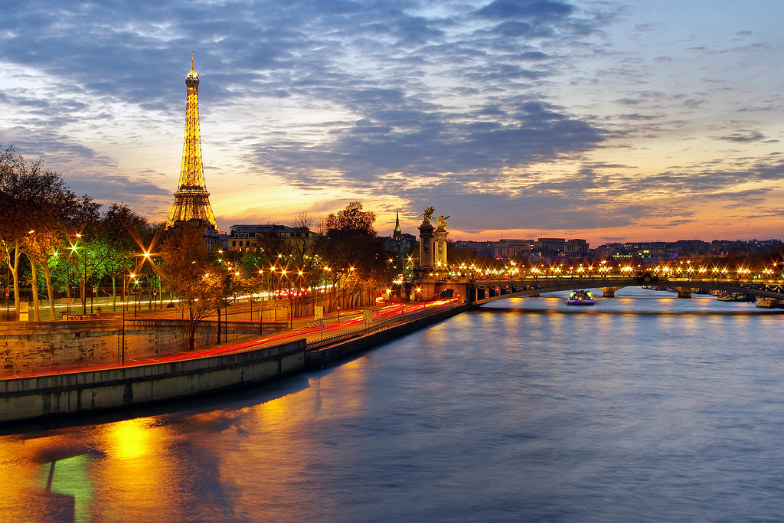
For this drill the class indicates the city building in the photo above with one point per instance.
(244, 238)
(550, 247)
(576, 248)
(508, 248)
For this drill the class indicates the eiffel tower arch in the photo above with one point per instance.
(192, 201)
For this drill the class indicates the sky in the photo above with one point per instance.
(603, 120)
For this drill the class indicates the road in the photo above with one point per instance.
(334, 325)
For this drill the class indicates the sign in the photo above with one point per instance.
(24, 310)
(318, 312)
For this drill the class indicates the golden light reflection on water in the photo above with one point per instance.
(15, 470)
(111, 472)
(138, 472)
(45, 478)
(265, 451)
(19, 479)
(129, 439)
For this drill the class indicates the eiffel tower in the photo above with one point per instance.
(191, 199)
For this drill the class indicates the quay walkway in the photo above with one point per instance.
(310, 343)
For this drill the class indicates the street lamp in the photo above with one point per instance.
(291, 306)
(271, 281)
(125, 300)
(74, 248)
(135, 281)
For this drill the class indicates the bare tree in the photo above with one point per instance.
(303, 221)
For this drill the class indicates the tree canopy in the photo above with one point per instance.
(37, 211)
(350, 244)
(191, 272)
(353, 219)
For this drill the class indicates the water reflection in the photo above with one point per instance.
(655, 409)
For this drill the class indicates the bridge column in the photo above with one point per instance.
(470, 293)
(683, 292)
(609, 292)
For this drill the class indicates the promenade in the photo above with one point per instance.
(307, 343)
(332, 328)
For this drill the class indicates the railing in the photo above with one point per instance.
(232, 325)
(772, 287)
(333, 320)
(378, 326)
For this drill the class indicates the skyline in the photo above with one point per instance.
(608, 121)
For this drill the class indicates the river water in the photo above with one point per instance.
(644, 407)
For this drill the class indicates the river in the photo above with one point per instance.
(641, 408)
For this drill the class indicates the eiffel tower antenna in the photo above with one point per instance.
(191, 199)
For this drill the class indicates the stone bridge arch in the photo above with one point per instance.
(483, 291)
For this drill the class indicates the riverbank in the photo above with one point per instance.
(332, 354)
(213, 369)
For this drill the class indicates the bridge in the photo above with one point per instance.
(480, 291)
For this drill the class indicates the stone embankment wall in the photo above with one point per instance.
(45, 346)
(70, 393)
(78, 392)
(324, 357)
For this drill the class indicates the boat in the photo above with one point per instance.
(766, 302)
(581, 297)
(731, 296)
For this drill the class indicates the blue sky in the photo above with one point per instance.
(605, 120)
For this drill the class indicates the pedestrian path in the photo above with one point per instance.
(333, 326)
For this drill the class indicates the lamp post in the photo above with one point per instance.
(271, 282)
(300, 274)
(82, 283)
(146, 257)
(84, 274)
(125, 299)
(134, 281)
(291, 303)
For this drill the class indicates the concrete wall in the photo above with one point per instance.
(70, 393)
(320, 358)
(45, 346)
(130, 385)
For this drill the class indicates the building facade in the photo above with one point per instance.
(252, 238)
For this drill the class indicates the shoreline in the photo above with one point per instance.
(56, 395)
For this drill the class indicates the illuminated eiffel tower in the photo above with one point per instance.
(191, 199)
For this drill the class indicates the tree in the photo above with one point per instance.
(120, 235)
(191, 273)
(351, 250)
(36, 210)
(303, 221)
(353, 219)
(14, 221)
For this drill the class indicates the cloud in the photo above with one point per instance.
(515, 112)
(535, 10)
(420, 140)
(744, 135)
(121, 188)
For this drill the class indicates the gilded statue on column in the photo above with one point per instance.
(428, 214)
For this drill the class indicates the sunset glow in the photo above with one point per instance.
(607, 121)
